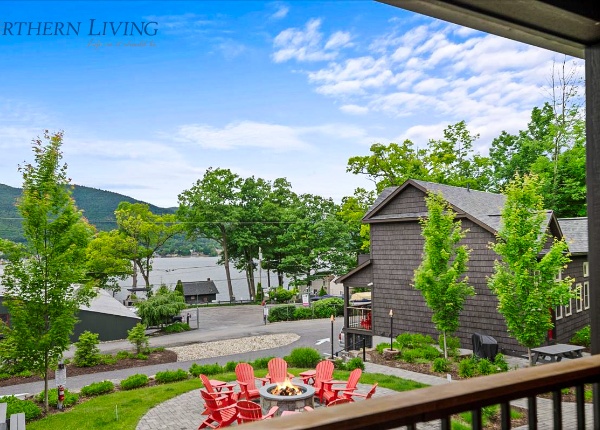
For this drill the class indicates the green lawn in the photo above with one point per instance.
(124, 409)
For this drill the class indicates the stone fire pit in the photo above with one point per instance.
(295, 402)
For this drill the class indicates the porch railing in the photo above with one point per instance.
(359, 318)
(441, 402)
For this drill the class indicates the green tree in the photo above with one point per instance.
(352, 211)
(108, 260)
(159, 308)
(137, 337)
(43, 278)
(444, 263)
(524, 280)
(210, 209)
(179, 287)
(143, 234)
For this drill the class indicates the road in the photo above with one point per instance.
(216, 323)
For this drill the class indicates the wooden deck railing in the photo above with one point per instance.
(440, 402)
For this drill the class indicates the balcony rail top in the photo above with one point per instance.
(432, 403)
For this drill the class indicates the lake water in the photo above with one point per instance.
(168, 270)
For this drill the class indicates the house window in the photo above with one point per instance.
(586, 269)
(586, 295)
(559, 312)
(558, 276)
(568, 308)
(579, 299)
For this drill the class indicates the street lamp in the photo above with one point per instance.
(391, 329)
(332, 320)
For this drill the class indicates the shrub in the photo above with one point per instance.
(339, 364)
(230, 366)
(17, 406)
(413, 340)
(382, 346)
(485, 367)
(87, 353)
(70, 398)
(440, 365)
(108, 359)
(141, 356)
(324, 308)
(134, 381)
(322, 291)
(97, 388)
(303, 313)
(430, 353)
(171, 376)
(121, 355)
(582, 337)
(355, 363)
(282, 313)
(261, 363)
(280, 294)
(467, 367)
(500, 363)
(137, 336)
(412, 355)
(207, 369)
(303, 357)
(177, 327)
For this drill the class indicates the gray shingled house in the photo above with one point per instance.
(396, 251)
(199, 291)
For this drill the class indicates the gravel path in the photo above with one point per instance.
(243, 345)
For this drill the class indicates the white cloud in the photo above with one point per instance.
(307, 44)
(354, 109)
(281, 12)
(243, 134)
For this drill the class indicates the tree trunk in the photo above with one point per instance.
(226, 261)
(145, 273)
(530, 357)
(269, 279)
(134, 276)
(445, 346)
(46, 381)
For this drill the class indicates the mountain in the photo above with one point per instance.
(98, 207)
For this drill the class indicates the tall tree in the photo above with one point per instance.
(211, 209)
(143, 233)
(524, 280)
(109, 260)
(444, 263)
(43, 278)
(352, 211)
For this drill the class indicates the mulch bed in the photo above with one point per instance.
(157, 357)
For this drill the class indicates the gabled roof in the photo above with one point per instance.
(576, 234)
(199, 288)
(357, 269)
(481, 207)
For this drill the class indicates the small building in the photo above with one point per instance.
(199, 291)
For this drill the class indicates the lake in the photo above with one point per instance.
(168, 270)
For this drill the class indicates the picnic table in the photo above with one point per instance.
(554, 353)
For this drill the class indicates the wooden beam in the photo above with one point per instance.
(592, 123)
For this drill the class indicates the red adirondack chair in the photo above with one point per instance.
(250, 411)
(224, 393)
(331, 392)
(323, 373)
(339, 401)
(277, 368)
(247, 381)
(365, 396)
(222, 415)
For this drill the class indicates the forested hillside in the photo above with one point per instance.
(98, 207)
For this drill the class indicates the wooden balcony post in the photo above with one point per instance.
(592, 90)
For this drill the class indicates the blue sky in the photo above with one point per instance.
(271, 89)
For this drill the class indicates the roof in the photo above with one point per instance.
(565, 26)
(105, 303)
(199, 288)
(575, 231)
(357, 269)
(484, 208)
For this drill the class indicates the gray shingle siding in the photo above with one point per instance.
(396, 251)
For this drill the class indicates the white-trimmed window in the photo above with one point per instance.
(586, 269)
(559, 312)
(558, 276)
(568, 308)
(579, 299)
(586, 295)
